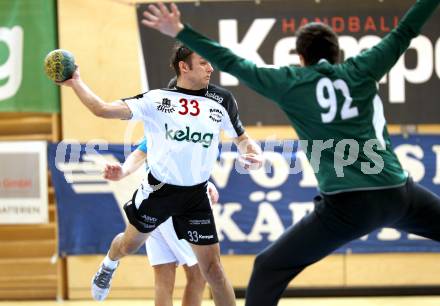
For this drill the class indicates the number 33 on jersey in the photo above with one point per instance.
(182, 128)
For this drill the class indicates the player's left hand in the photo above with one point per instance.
(251, 161)
(113, 172)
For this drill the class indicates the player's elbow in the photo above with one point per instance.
(98, 113)
(102, 111)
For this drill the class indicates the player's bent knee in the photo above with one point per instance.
(214, 273)
(194, 276)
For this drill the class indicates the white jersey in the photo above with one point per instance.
(182, 128)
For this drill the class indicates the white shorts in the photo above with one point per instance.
(164, 247)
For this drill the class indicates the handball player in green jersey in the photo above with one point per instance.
(335, 109)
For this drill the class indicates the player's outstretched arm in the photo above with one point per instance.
(378, 60)
(116, 172)
(268, 81)
(116, 110)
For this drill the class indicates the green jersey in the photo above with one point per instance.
(335, 109)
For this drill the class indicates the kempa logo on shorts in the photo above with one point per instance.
(206, 237)
(187, 135)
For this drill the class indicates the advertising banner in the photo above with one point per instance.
(264, 32)
(23, 182)
(255, 207)
(27, 34)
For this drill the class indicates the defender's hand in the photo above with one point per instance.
(158, 17)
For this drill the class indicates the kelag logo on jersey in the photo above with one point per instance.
(187, 135)
(214, 96)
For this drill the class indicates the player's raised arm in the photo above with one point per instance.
(268, 81)
(378, 60)
(115, 110)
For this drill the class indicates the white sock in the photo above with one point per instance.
(111, 264)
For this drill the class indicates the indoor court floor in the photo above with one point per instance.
(358, 301)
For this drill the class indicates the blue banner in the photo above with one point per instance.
(89, 215)
(255, 207)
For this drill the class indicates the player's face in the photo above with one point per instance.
(200, 73)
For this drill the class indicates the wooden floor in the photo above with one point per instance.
(360, 301)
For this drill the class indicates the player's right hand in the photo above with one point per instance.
(70, 82)
(251, 161)
(113, 172)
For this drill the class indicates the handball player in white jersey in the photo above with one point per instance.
(182, 127)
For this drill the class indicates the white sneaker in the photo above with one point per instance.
(101, 283)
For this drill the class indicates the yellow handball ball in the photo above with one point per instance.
(59, 65)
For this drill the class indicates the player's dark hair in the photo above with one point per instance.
(180, 53)
(317, 41)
